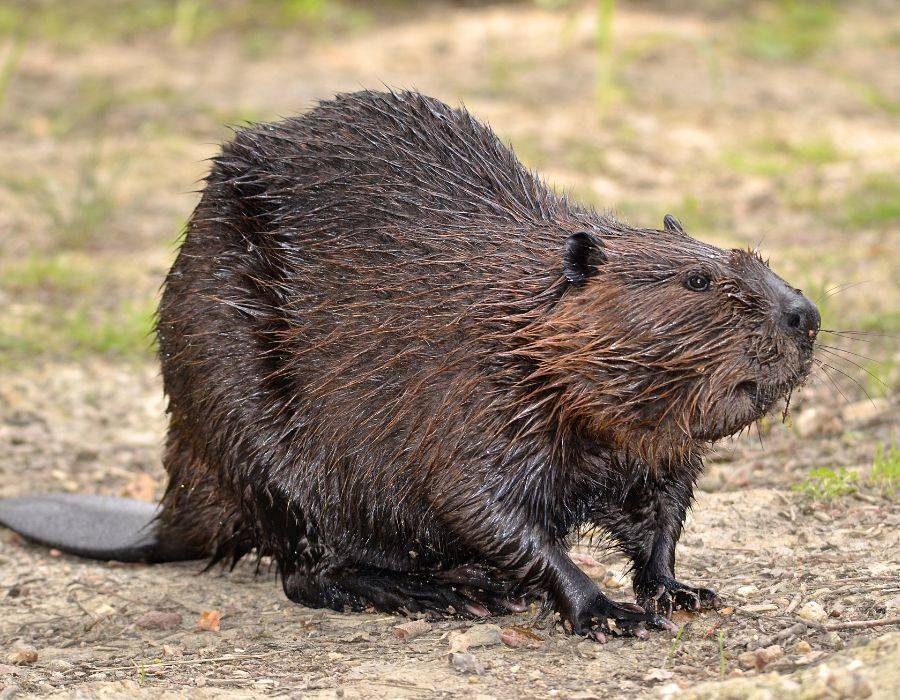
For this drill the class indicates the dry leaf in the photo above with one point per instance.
(519, 637)
(411, 629)
(210, 621)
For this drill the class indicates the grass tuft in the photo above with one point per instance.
(788, 30)
(722, 665)
(827, 484)
(122, 331)
(63, 273)
(675, 646)
(886, 469)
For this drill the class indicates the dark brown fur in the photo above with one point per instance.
(400, 365)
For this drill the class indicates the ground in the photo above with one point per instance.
(771, 124)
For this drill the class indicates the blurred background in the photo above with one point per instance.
(771, 123)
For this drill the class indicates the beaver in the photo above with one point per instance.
(409, 372)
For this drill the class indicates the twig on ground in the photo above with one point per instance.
(859, 624)
(182, 662)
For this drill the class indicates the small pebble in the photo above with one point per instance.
(747, 659)
(658, 674)
(475, 636)
(833, 639)
(22, 657)
(812, 611)
(59, 664)
(768, 654)
(158, 620)
(802, 647)
(105, 610)
(759, 658)
(466, 663)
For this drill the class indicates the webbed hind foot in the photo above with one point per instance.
(464, 591)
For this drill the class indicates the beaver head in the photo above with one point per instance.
(670, 343)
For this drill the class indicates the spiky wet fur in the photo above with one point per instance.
(376, 361)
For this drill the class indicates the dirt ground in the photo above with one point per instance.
(755, 124)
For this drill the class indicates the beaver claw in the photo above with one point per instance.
(606, 617)
(668, 595)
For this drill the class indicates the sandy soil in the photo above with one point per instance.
(689, 128)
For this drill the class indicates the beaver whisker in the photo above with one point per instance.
(822, 366)
(837, 289)
(832, 353)
(855, 335)
(849, 352)
(851, 378)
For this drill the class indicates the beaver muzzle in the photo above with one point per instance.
(799, 316)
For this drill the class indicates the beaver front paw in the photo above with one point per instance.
(604, 617)
(664, 595)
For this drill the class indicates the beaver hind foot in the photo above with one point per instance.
(461, 592)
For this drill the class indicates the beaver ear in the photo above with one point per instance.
(673, 225)
(582, 255)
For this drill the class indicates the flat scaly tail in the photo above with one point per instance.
(96, 527)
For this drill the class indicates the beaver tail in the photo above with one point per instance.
(98, 527)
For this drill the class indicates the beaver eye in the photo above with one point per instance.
(698, 283)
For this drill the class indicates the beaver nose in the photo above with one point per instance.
(800, 315)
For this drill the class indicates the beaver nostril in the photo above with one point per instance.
(800, 315)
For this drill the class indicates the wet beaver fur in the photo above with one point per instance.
(404, 368)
